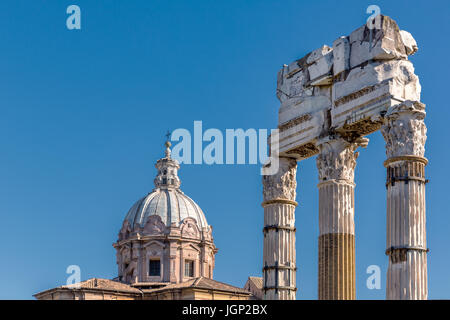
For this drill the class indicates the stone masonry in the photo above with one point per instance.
(330, 100)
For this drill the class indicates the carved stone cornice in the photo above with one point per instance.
(404, 130)
(281, 185)
(337, 159)
(294, 122)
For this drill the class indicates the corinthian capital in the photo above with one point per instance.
(337, 159)
(404, 130)
(282, 184)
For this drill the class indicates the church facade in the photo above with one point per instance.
(165, 251)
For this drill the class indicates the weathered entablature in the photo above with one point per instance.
(330, 99)
(346, 88)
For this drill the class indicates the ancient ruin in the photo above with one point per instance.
(330, 100)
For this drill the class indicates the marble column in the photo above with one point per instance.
(279, 282)
(336, 164)
(405, 135)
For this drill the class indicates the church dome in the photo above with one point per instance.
(165, 237)
(166, 201)
(171, 205)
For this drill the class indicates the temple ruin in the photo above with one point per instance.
(330, 100)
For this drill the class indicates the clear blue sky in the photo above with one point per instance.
(84, 113)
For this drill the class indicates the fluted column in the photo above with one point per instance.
(336, 164)
(405, 135)
(279, 282)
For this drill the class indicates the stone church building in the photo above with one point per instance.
(165, 251)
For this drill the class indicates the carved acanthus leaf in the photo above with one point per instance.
(281, 185)
(337, 159)
(404, 130)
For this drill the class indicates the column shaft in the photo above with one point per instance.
(406, 234)
(279, 251)
(336, 241)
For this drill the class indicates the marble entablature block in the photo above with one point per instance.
(345, 89)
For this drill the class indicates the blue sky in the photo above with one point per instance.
(84, 113)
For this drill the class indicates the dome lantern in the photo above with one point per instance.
(167, 170)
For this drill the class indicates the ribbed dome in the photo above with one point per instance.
(166, 200)
(172, 205)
